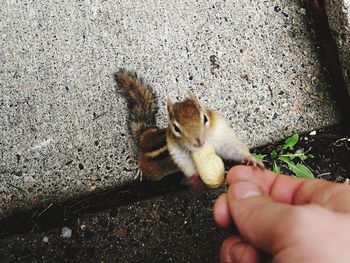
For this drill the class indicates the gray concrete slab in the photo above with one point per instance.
(63, 125)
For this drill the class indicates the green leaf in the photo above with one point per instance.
(303, 171)
(301, 155)
(298, 154)
(276, 168)
(291, 141)
(310, 156)
(273, 154)
(259, 157)
(285, 158)
(291, 156)
(298, 169)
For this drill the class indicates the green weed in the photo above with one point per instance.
(288, 157)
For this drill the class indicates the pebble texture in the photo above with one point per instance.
(63, 123)
(339, 20)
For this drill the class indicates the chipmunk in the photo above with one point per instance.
(190, 126)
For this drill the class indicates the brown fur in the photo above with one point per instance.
(142, 123)
(188, 114)
(155, 168)
(185, 111)
(141, 102)
(157, 140)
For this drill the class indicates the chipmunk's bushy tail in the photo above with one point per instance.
(141, 102)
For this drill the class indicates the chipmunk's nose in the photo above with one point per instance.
(199, 142)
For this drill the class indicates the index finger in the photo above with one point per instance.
(292, 190)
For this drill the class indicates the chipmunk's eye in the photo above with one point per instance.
(205, 119)
(177, 130)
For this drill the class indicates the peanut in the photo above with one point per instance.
(210, 166)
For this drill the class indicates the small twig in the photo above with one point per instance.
(18, 188)
(78, 225)
(271, 93)
(320, 98)
(85, 200)
(26, 101)
(96, 116)
(323, 174)
(296, 154)
(336, 143)
(303, 161)
(45, 210)
(36, 211)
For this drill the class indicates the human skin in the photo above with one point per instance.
(291, 219)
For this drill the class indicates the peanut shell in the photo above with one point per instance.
(210, 166)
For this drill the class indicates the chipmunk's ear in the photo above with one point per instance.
(170, 106)
(191, 96)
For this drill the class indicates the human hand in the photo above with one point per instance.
(291, 219)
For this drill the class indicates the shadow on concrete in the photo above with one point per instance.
(329, 50)
(56, 215)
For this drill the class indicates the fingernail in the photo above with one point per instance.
(245, 189)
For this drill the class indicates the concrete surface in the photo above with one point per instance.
(339, 20)
(63, 125)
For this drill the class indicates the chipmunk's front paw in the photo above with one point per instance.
(251, 161)
(194, 182)
(139, 174)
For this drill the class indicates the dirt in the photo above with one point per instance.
(330, 148)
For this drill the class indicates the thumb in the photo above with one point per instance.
(258, 218)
